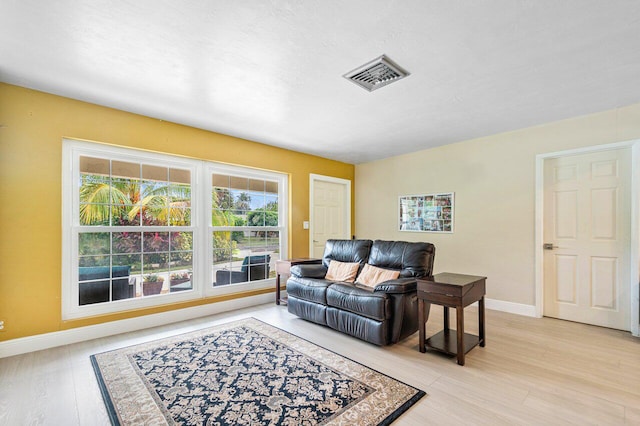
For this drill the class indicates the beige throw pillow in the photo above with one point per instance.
(342, 271)
(372, 276)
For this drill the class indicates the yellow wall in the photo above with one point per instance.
(494, 183)
(32, 127)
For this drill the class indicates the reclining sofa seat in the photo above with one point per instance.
(381, 315)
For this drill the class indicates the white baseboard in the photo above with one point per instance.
(510, 307)
(80, 334)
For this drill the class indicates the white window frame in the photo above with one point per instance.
(282, 180)
(200, 226)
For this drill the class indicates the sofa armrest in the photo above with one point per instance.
(398, 286)
(309, 271)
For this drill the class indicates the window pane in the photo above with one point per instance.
(154, 283)
(93, 243)
(181, 241)
(84, 261)
(156, 241)
(179, 198)
(155, 216)
(95, 197)
(179, 217)
(236, 182)
(91, 165)
(134, 261)
(180, 195)
(180, 176)
(180, 277)
(271, 203)
(94, 214)
(257, 200)
(223, 247)
(157, 173)
(241, 201)
(123, 169)
(251, 266)
(257, 241)
(258, 266)
(181, 262)
(155, 263)
(180, 281)
(219, 181)
(222, 199)
(271, 187)
(273, 247)
(262, 218)
(125, 215)
(154, 202)
(127, 242)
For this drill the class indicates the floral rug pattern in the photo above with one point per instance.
(244, 373)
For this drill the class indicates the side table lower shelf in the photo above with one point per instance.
(447, 342)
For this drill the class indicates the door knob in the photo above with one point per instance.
(548, 246)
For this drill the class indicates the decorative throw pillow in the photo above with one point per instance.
(342, 271)
(372, 276)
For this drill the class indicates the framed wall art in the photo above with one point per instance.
(426, 212)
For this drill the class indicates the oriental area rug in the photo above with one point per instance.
(245, 372)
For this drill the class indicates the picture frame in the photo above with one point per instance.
(426, 212)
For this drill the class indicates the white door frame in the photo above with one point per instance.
(347, 202)
(635, 229)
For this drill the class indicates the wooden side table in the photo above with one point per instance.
(283, 269)
(451, 291)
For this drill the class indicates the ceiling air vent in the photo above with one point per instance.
(376, 74)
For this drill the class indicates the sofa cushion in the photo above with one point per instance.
(308, 310)
(311, 289)
(346, 251)
(372, 275)
(411, 259)
(358, 300)
(342, 271)
(376, 332)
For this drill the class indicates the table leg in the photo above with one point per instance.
(460, 333)
(423, 316)
(481, 334)
(277, 289)
(446, 319)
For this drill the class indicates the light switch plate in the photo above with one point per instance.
(305, 224)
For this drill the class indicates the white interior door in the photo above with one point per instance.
(330, 211)
(587, 236)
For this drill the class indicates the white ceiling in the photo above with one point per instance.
(271, 71)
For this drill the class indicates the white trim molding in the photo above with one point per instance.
(634, 245)
(510, 307)
(66, 337)
(347, 202)
(200, 227)
(75, 335)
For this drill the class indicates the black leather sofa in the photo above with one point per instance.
(381, 315)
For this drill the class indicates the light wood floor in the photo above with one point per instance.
(532, 371)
